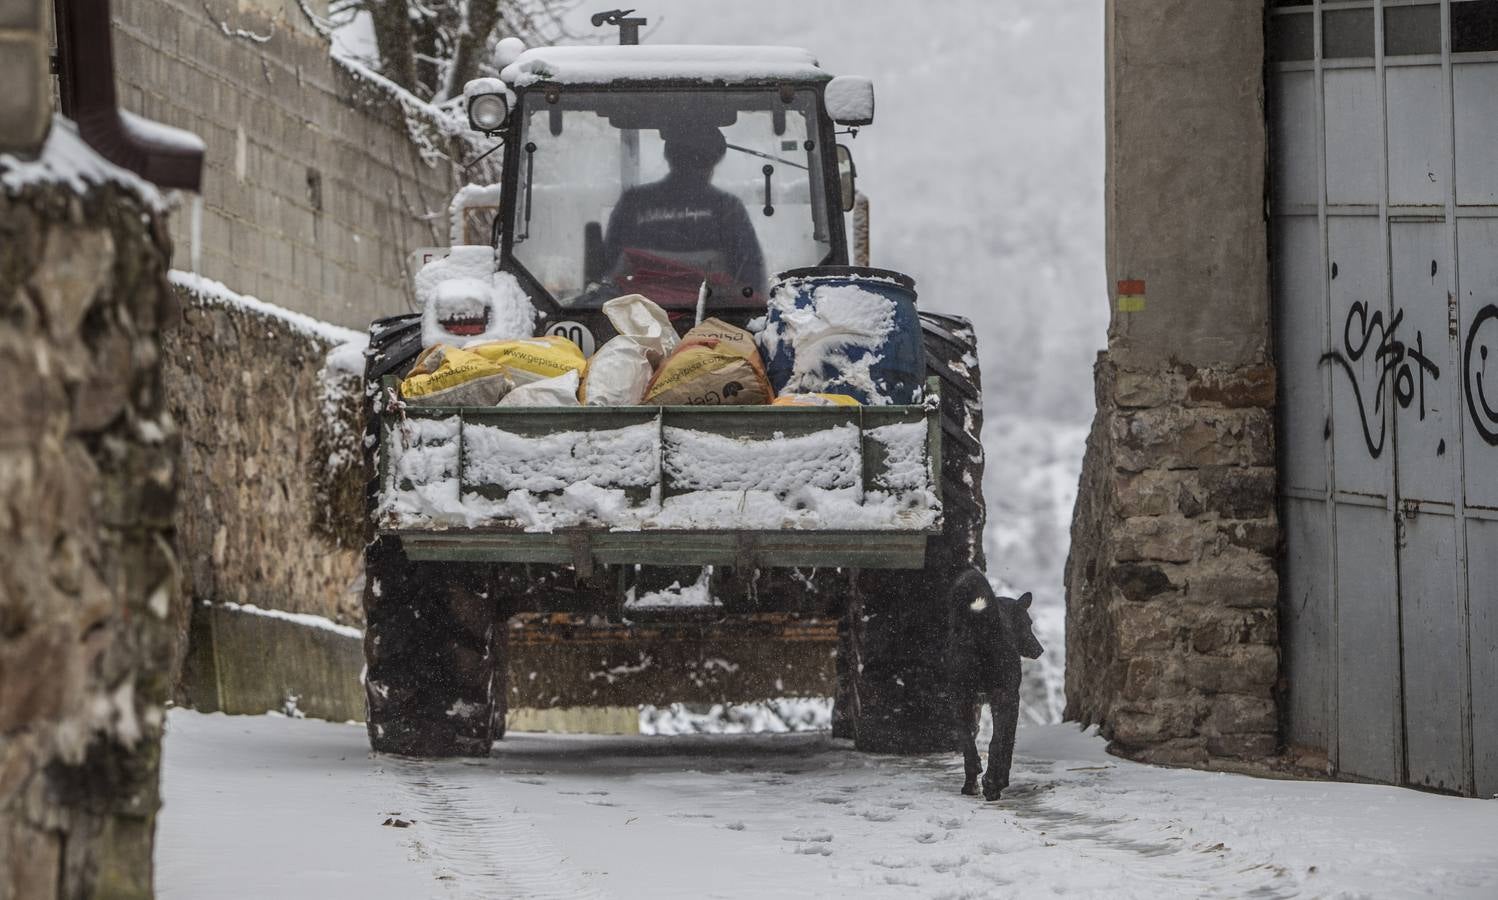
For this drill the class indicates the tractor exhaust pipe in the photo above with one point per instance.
(629, 29)
(860, 229)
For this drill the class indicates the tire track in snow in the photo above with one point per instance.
(476, 842)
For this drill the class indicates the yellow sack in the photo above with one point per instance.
(814, 400)
(533, 359)
(716, 363)
(448, 376)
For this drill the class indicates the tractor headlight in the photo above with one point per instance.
(487, 112)
(488, 103)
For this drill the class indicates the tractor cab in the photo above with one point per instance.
(656, 169)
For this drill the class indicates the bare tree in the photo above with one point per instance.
(432, 47)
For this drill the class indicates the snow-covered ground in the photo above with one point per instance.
(266, 806)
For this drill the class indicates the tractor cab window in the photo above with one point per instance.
(653, 192)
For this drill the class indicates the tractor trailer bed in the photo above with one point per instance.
(752, 486)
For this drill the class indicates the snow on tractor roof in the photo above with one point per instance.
(663, 62)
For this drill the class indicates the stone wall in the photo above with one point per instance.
(1172, 584)
(314, 190)
(89, 605)
(274, 508)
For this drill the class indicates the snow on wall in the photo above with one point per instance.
(216, 292)
(306, 620)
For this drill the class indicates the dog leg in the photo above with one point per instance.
(1004, 703)
(967, 736)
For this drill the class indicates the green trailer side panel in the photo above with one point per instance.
(585, 548)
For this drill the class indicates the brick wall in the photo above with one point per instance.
(314, 191)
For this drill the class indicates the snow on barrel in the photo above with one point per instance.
(845, 330)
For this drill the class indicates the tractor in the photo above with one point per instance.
(580, 127)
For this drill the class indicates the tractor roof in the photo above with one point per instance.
(707, 64)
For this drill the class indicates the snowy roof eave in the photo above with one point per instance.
(705, 64)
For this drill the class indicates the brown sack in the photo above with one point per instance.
(716, 363)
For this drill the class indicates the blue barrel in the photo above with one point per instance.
(853, 330)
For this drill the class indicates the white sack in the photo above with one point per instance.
(637, 316)
(618, 374)
(558, 391)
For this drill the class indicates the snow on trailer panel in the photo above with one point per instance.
(764, 486)
(706, 64)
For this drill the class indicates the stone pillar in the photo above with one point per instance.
(26, 101)
(1172, 582)
(88, 591)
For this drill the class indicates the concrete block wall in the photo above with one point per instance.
(313, 191)
(1172, 582)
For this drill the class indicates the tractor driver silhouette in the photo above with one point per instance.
(664, 238)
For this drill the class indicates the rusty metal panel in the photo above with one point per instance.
(1360, 401)
(1434, 652)
(1354, 124)
(1306, 625)
(1417, 360)
(1475, 86)
(1368, 690)
(1419, 162)
(1298, 287)
(1482, 587)
(562, 661)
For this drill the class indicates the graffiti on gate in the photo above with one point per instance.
(1481, 387)
(1395, 362)
(1407, 368)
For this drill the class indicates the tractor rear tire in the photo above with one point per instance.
(897, 621)
(434, 653)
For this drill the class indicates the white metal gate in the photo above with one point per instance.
(1385, 222)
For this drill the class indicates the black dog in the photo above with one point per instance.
(986, 637)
